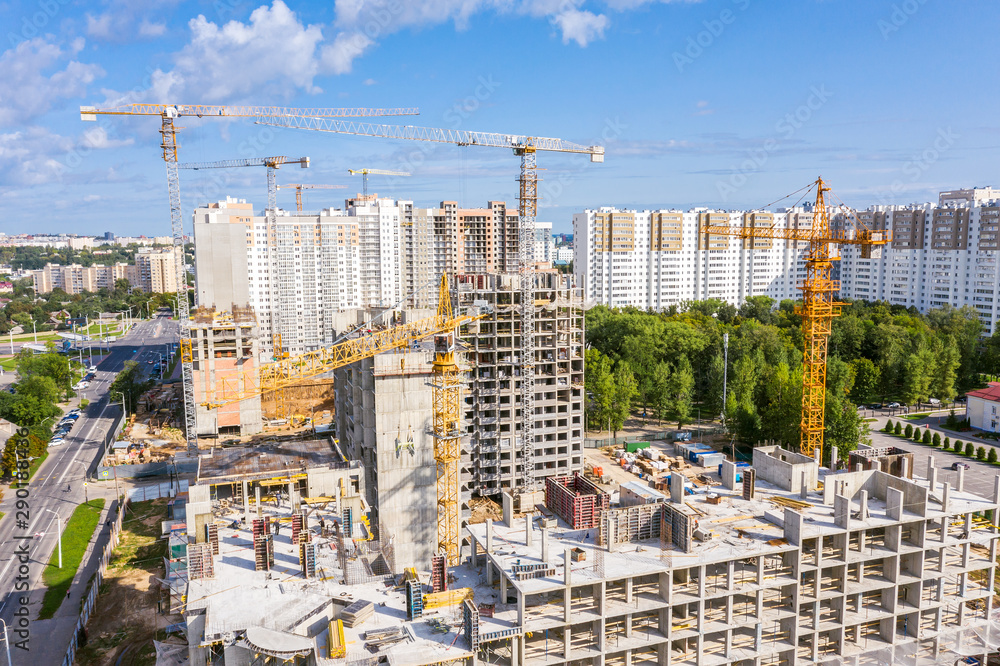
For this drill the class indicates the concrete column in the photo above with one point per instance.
(930, 465)
(932, 477)
(996, 493)
(292, 500)
(864, 506)
(528, 532)
(568, 590)
(794, 521)
(628, 590)
(904, 468)
(960, 485)
(545, 545)
(945, 495)
(566, 642)
(842, 512)
(816, 454)
(489, 538)
(503, 583)
(508, 509)
(729, 475)
(857, 467)
(520, 608)
(894, 503)
(677, 488)
(246, 502)
(833, 457)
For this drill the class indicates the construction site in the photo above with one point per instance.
(356, 546)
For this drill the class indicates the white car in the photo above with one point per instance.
(55, 441)
(92, 368)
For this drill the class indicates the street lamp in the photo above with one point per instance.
(6, 642)
(58, 533)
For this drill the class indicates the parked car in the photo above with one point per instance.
(894, 405)
(960, 400)
(55, 441)
(934, 401)
(959, 465)
(92, 368)
(878, 406)
(75, 410)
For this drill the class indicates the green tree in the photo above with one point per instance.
(936, 440)
(681, 386)
(866, 380)
(908, 432)
(40, 387)
(991, 457)
(661, 391)
(600, 386)
(981, 453)
(625, 391)
(969, 449)
(917, 436)
(957, 446)
(947, 443)
(888, 426)
(926, 439)
(844, 427)
(948, 360)
(129, 383)
(897, 429)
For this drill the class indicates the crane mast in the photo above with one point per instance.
(819, 305)
(271, 163)
(526, 148)
(168, 146)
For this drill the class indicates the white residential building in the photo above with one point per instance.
(656, 259)
(940, 255)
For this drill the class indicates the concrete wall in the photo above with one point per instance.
(385, 417)
(220, 257)
(783, 468)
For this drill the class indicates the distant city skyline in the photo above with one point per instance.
(694, 105)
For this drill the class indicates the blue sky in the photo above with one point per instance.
(725, 103)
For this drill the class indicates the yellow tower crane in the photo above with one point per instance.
(301, 186)
(271, 163)
(168, 113)
(375, 172)
(525, 147)
(819, 304)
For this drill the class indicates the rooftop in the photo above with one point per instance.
(991, 393)
(248, 463)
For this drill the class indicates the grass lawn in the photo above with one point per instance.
(9, 364)
(43, 336)
(75, 538)
(915, 417)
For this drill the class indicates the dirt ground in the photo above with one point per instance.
(125, 621)
(305, 398)
(636, 425)
(484, 508)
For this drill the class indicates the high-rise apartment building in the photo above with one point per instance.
(154, 271)
(940, 255)
(373, 253)
(655, 259)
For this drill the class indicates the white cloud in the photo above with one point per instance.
(581, 27)
(92, 197)
(626, 5)
(125, 19)
(273, 54)
(338, 57)
(149, 29)
(37, 76)
(370, 82)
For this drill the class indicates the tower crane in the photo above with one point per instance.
(447, 377)
(524, 147)
(375, 172)
(819, 307)
(271, 163)
(168, 113)
(301, 186)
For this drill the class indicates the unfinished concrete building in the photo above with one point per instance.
(224, 345)
(491, 456)
(872, 569)
(384, 419)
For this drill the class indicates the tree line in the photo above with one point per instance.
(670, 364)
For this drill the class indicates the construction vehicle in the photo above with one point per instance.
(375, 172)
(819, 307)
(525, 147)
(302, 186)
(167, 114)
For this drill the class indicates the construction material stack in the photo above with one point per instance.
(357, 613)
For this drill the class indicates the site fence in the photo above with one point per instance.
(79, 633)
(156, 491)
(589, 443)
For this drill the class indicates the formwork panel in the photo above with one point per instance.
(576, 500)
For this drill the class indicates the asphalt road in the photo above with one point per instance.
(979, 478)
(58, 486)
